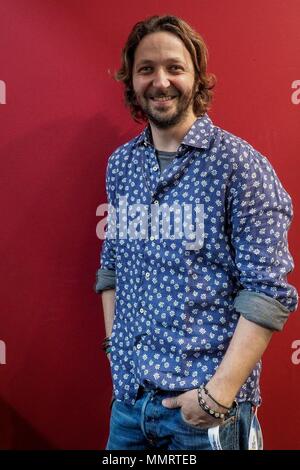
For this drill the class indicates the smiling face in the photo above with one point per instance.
(164, 79)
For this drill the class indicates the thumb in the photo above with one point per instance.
(171, 402)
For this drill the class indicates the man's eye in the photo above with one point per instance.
(145, 69)
(176, 67)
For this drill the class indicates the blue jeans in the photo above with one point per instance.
(149, 425)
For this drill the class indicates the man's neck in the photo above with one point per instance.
(169, 140)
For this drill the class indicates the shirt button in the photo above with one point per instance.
(155, 168)
(147, 275)
(152, 238)
(139, 346)
(142, 310)
(156, 202)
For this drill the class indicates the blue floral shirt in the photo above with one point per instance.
(177, 308)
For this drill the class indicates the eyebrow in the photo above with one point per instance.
(150, 62)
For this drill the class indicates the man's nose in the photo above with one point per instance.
(161, 79)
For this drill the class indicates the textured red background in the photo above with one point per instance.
(62, 118)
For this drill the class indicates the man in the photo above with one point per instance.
(187, 322)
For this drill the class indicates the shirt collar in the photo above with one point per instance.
(198, 136)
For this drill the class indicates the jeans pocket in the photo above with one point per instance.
(227, 433)
(219, 437)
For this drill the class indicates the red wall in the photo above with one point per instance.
(61, 114)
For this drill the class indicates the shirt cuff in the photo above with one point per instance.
(105, 279)
(261, 309)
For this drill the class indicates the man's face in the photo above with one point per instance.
(164, 79)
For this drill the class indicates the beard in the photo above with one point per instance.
(165, 118)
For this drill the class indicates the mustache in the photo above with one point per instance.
(162, 95)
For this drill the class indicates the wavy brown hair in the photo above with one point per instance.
(194, 44)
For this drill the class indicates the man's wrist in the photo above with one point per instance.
(214, 410)
(224, 393)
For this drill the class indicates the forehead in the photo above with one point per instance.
(161, 45)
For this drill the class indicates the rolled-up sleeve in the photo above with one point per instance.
(105, 279)
(260, 213)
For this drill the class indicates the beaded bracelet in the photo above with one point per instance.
(106, 345)
(213, 399)
(207, 409)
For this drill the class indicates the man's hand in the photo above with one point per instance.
(191, 411)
